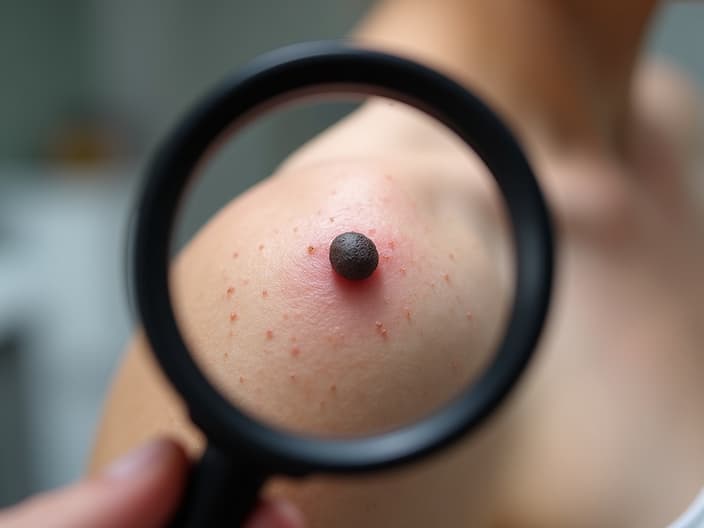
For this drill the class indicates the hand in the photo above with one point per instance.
(141, 490)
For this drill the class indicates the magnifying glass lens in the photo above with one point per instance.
(363, 284)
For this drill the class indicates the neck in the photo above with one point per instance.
(559, 70)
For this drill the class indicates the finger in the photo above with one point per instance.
(140, 490)
(275, 513)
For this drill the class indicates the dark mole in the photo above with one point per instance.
(353, 256)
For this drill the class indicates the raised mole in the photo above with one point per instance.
(353, 256)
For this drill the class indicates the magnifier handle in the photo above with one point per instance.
(220, 492)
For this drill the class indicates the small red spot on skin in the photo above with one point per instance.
(295, 351)
(407, 311)
(372, 232)
(292, 377)
(295, 229)
(402, 270)
(285, 317)
(455, 365)
(233, 316)
(392, 244)
(232, 334)
(235, 254)
(245, 281)
(276, 231)
(386, 258)
(389, 177)
(387, 300)
(446, 276)
(225, 355)
(241, 379)
(333, 193)
(469, 316)
(311, 250)
(333, 388)
(230, 291)
(261, 247)
(265, 293)
(381, 329)
(269, 334)
(452, 256)
(293, 339)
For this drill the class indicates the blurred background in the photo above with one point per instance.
(87, 89)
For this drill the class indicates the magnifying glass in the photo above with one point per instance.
(246, 447)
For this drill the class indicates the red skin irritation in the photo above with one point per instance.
(309, 280)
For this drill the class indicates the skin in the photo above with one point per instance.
(606, 429)
(141, 491)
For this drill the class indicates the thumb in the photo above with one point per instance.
(140, 490)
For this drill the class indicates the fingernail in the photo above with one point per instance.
(137, 461)
(276, 512)
(288, 514)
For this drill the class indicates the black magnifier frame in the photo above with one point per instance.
(243, 452)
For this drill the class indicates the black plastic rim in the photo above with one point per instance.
(327, 67)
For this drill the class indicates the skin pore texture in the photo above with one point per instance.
(606, 429)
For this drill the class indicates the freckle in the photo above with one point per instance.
(276, 231)
(432, 284)
(333, 193)
(292, 377)
(402, 270)
(225, 355)
(285, 316)
(295, 229)
(269, 334)
(232, 334)
(261, 247)
(311, 250)
(452, 256)
(446, 276)
(230, 291)
(454, 364)
(469, 316)
(332, 219)
(235, 254)
(319, 212)
(295, 351)
(265, 293)
(387, 300)
(241, 379)
(333, 388)
(389, 177)
(233, 316)
(386, 257)
(407, 311)
(244, 281)
(322, 405)
(293, 339)
(392, 244)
